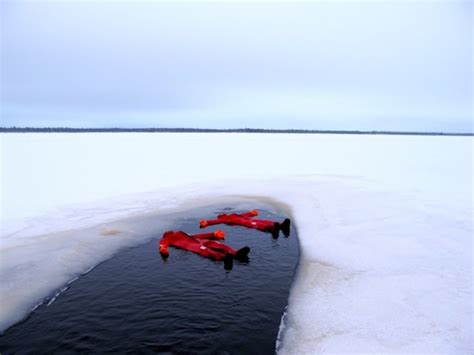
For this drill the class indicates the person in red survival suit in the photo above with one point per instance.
(204, 244)
(247, 220)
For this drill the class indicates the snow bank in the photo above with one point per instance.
(385, 223)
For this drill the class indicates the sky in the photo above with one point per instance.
(371, 65)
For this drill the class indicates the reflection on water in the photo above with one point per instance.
(136, 302)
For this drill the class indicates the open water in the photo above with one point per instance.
(138, 303)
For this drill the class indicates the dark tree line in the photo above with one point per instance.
(210, 130)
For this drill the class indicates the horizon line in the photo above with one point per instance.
(14, 129)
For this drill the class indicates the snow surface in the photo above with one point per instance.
(385, 223)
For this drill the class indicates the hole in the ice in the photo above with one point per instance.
(186, 304)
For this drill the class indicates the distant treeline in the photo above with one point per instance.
(210, 130)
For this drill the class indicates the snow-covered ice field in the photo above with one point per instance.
(385, 223)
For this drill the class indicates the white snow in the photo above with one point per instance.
(384, 222)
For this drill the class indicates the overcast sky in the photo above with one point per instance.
(397, 65)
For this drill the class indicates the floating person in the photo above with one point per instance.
(204, 244)
(247, 220)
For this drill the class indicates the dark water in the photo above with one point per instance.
(138, 303)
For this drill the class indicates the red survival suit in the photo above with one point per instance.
(204, 244)
(246, 219)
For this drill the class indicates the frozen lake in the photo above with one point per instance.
(385, 223)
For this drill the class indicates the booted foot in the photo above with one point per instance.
(228, 262)
(242, 254)
(285, 227)
(276, 230)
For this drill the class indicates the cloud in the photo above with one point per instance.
(229, 64)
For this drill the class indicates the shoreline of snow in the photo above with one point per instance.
(386, 260)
